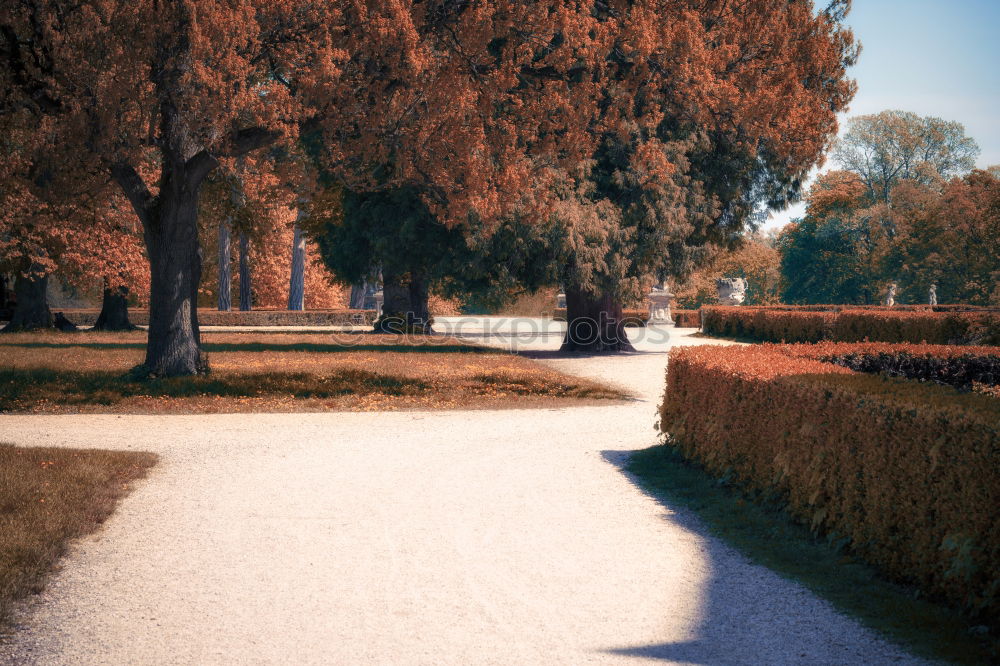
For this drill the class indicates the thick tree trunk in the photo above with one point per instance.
(246, 288)
(170, 227)
(297, 282)
(114, 311)
(594, 324)
(174, 344)
(225, 270)
(405, 308)
(32, 309)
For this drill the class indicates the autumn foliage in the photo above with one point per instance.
(907, 208)
(907, 474)
(645, 130)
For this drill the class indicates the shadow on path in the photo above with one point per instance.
(750, 615)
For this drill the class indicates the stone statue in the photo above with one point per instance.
(659, 305)
(890, 296)
(932, 296)
(732, 291)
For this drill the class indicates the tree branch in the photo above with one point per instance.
(247, 140)
(242, 142)
(200, 166)
(134, 188)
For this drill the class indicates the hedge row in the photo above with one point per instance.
(894, 308)
(960, 367)
(907, 473)
(687, 318)
(855, 325)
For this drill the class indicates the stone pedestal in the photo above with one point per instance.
(660, 299)
(379, 298)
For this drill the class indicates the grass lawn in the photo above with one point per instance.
(47, 497)
(768, 536)
(52, 372)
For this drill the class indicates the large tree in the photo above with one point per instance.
(947, 234)
(156, 95)
(891, 146)
(709, 112)
(394, 236)
(904, 210)
(834, 254)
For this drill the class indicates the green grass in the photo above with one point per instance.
(768, 536)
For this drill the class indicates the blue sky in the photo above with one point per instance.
(932, 57)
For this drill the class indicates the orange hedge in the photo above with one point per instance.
(852, 325)
(907, 472)
(894, 308)
(687, 318)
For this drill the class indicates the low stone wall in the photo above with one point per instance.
(637, 317)
(209, 317)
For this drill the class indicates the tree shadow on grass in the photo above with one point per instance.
(748, 614)
(24, 388)
(430, 348)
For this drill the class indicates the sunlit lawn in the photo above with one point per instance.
(89, 372)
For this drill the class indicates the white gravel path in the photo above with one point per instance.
(480, 537)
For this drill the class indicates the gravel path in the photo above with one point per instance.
(480, 537)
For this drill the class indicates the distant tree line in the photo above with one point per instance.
(907, 207)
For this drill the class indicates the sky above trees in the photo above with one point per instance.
(932, 58)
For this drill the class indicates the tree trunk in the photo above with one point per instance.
(594, 324)
(3, 292)
(225, 271)
(32, 308)
(174, 343)
(246, 289)
(405, 308)
(359, 294)
(297, 283)
(114, 310)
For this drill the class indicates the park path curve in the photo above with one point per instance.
(478, 537)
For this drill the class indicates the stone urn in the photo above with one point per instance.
(379, 299)
(660, 299)
(732, 291)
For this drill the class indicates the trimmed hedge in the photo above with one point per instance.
(906, 473)
(894, 308)
(687, 318)
(772, 324)
(960, 367)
